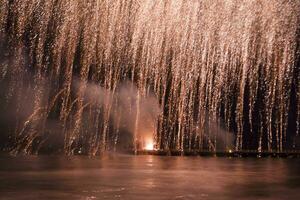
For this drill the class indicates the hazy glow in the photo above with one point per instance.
(149, 145)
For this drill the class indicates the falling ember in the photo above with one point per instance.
(224, 73)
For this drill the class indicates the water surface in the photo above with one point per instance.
(148, 177)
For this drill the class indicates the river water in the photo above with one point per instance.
(148, 177)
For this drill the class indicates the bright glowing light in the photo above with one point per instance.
(230, 151)
(149, 146)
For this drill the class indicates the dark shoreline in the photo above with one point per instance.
(234, 154)
(285, 154)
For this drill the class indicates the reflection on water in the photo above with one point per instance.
(148, 177)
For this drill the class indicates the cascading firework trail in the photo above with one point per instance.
(214, 68)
